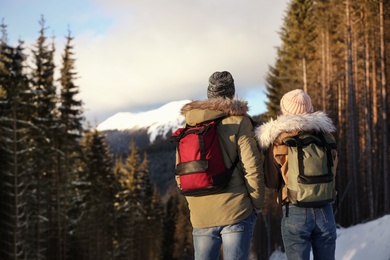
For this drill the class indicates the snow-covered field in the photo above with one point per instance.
(368, 241)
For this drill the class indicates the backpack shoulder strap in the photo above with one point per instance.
(328, 149)
(300, 155)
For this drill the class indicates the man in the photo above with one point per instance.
(303, 228)
(227, 218)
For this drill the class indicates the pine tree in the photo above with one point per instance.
(302, 37)
(15, 147)
(97, 187)
(71, 112)
(129, 209)
(69, 160)
(139, 210)
(295, 57)
(183, 236)
(274, 92)
(44, 230)
(124, 221)
(169, 227)
(153, 211)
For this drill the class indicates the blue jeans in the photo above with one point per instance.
(236, 240)
(304, 229)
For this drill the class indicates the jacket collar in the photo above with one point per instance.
(204, 110)
(267, 133)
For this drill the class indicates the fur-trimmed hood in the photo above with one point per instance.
(203, 110)
(267, 133)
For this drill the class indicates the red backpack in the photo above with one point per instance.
(200, 165)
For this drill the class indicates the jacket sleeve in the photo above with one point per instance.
(252, 162)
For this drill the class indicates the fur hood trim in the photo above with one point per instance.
(267, 133)
(231, 107)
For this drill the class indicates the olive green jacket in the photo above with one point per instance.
(245, 191)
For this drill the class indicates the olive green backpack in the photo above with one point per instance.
(311, 173)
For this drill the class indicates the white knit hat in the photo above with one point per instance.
(296, 102)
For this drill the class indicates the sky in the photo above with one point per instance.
(137, 55)
(370, 240)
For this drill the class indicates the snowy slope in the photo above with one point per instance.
(370, 241)
(158, 122)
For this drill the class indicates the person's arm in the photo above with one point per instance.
(252, 162)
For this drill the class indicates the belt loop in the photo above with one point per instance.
(287, 209)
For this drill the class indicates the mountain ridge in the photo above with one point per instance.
(150, 132)
(158, 123)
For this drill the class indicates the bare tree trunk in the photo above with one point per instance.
(374, 93)
(375, 139)
(352, 136)
(304, 74)
(323, 70)
(368, 124)
(386, 201)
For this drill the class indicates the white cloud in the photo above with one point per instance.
(136, 54)
(159, 51)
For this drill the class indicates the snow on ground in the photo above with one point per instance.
(370, 241)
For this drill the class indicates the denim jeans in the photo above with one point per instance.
(236, 240)
(305, 229)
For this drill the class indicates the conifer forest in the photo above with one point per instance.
(66, 195)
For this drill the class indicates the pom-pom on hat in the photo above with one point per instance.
(221, 84)
(296, 102)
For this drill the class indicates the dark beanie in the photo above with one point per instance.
(221, 84)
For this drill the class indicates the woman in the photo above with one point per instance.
(303, 228)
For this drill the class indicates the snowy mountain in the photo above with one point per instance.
(157, 122)
(370, 240)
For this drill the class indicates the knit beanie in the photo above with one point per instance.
(221, 84)
(296, 102)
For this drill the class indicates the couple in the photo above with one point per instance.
(228, 218)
